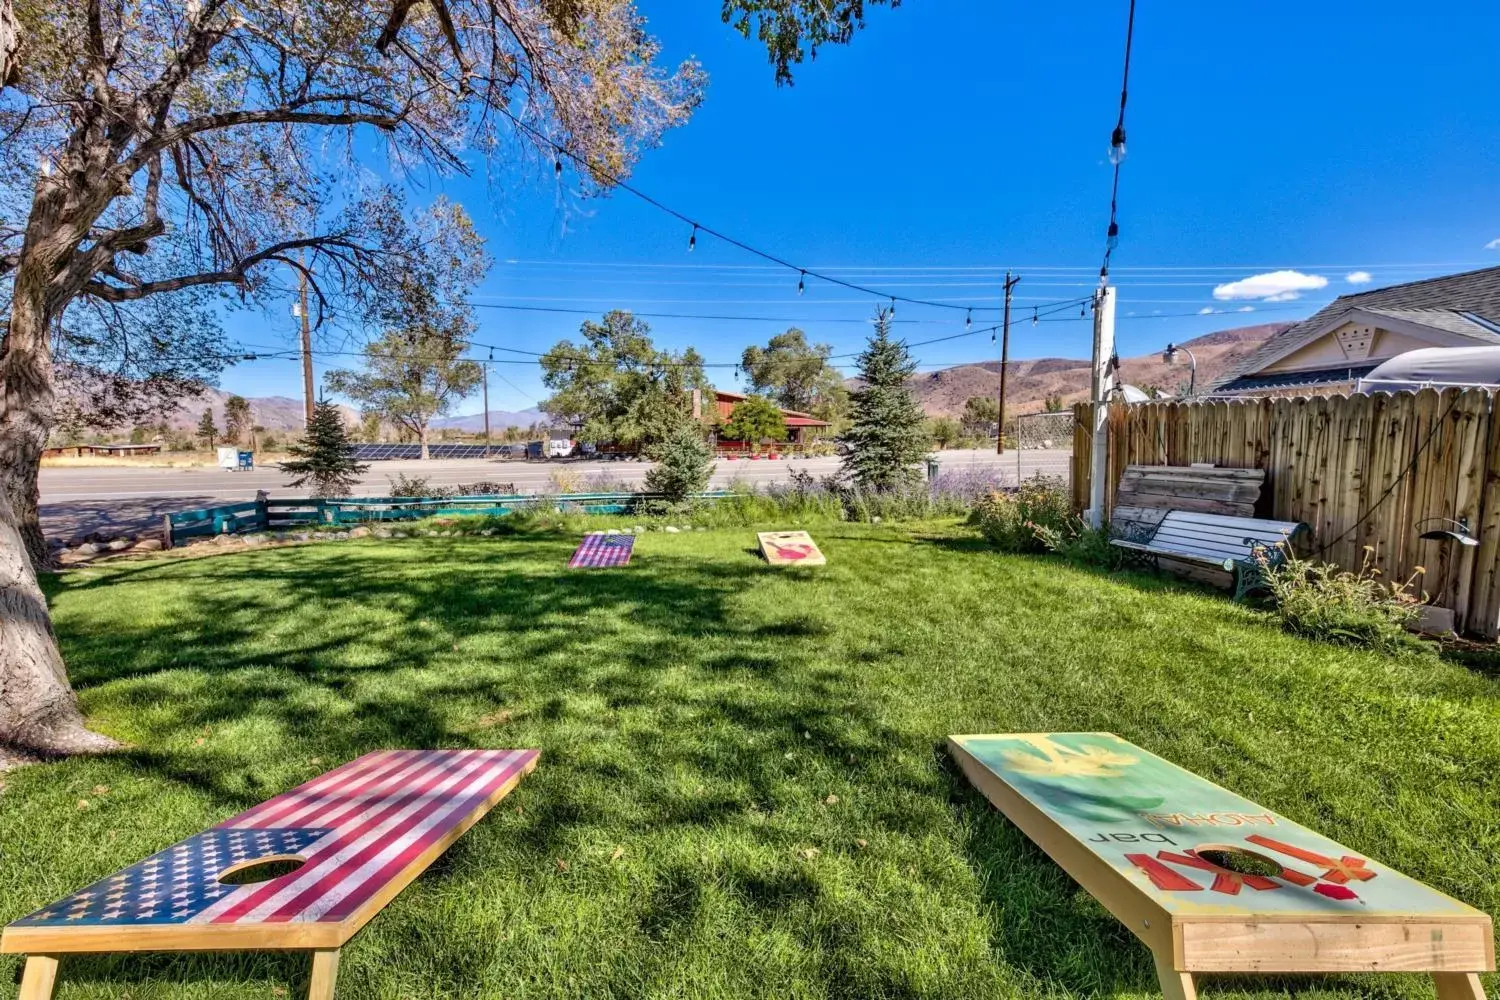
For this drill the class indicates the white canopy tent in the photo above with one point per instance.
(1436, 368)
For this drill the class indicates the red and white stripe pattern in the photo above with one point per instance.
(382, 811)
(602, 548)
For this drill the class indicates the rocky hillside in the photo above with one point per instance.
(944, 392)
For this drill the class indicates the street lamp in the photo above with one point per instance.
(1169, 356)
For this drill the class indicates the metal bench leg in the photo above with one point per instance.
(1175, 985)
(1458, 986)
(325, 971)
(38, 979)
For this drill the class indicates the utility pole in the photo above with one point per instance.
(1004, 364)
(307, 372)
(485, 367)
(1100, 390)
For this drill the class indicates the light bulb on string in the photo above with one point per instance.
(557, 167)
(1112, 238)
(1117, 146)
(969, 320)
(992, 335)
(893, 307)
(693, 239)
(1035, 319)
(1083, 310)
(801, 282)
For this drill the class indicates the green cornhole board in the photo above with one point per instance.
(1151, 842)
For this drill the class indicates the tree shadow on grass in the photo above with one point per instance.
(376, 652)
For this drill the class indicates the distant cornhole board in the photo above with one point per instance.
(602, 548)
(303, 871)
(1212, 882)
(790, 548)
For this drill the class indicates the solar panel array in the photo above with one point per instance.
(383, 452)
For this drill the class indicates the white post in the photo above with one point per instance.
(1101, 389)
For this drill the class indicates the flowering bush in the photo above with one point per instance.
(1023, 520)
(1321, 601)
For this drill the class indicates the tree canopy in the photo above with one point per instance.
(797, 375)
(755, 419)
(616, 386)
(416, 370)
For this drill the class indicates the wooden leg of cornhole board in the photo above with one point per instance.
(39, 977)
(325, 971)
(1175, 985)
(1458, 986)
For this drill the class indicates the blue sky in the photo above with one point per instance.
(953, 139)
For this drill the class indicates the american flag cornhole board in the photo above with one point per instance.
(600, 549)
(362, 832)
(1212, 882)
(790, 548)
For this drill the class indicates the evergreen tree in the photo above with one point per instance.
(684, 464)
(887, 436)
(206, 429)
(323, 457)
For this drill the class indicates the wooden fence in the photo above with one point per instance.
(1362, 470)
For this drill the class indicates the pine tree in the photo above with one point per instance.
(683, 464)
(887, 437)
(323, 457)
(206, 429)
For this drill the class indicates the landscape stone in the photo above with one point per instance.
(383, 532)
(255, 539)
(147, 545)
(88, 549)
(360, 532)
(118, 545)
(672, 529)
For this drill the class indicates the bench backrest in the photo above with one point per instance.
(1180, 487)
(1215, 536)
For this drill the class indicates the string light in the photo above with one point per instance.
(969, 320)
(693, 239)
(893, 307)
(1112, 236)
(557, 167)
(1117, 146)
(1035, 319)
(801, 282)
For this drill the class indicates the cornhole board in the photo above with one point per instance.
(362, 832)
(601, 549)
(1149, 840)
(790, 548)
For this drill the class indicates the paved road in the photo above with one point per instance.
(78, 500)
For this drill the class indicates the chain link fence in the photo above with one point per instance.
(1044, 445)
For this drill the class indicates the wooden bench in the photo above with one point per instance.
(338, 848)
(1212, 882)
(1199, 521)
(1233, 544)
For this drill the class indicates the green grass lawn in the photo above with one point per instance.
(766, 746)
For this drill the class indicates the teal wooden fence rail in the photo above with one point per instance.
(267, 514)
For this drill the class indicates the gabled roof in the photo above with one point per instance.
(1466, 304)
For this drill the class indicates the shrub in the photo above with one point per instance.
(1321, 601)
(1019, 521)
(485, 488)
(1078, 543)
(403, 485)
(564, 481)
(684, 464)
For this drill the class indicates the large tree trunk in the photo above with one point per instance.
(37, 709)
(425, 456)
(26, 405)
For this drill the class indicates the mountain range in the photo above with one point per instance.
(943, 393)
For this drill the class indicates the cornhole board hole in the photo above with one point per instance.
(790, 548)
(1212, 882)
(601, 549)
(352, 839)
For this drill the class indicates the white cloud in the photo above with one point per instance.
(1207, 311)
(1246, 309)
(1363, 277)
(1287, 284)
(1493, 245)
(1282, 297)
